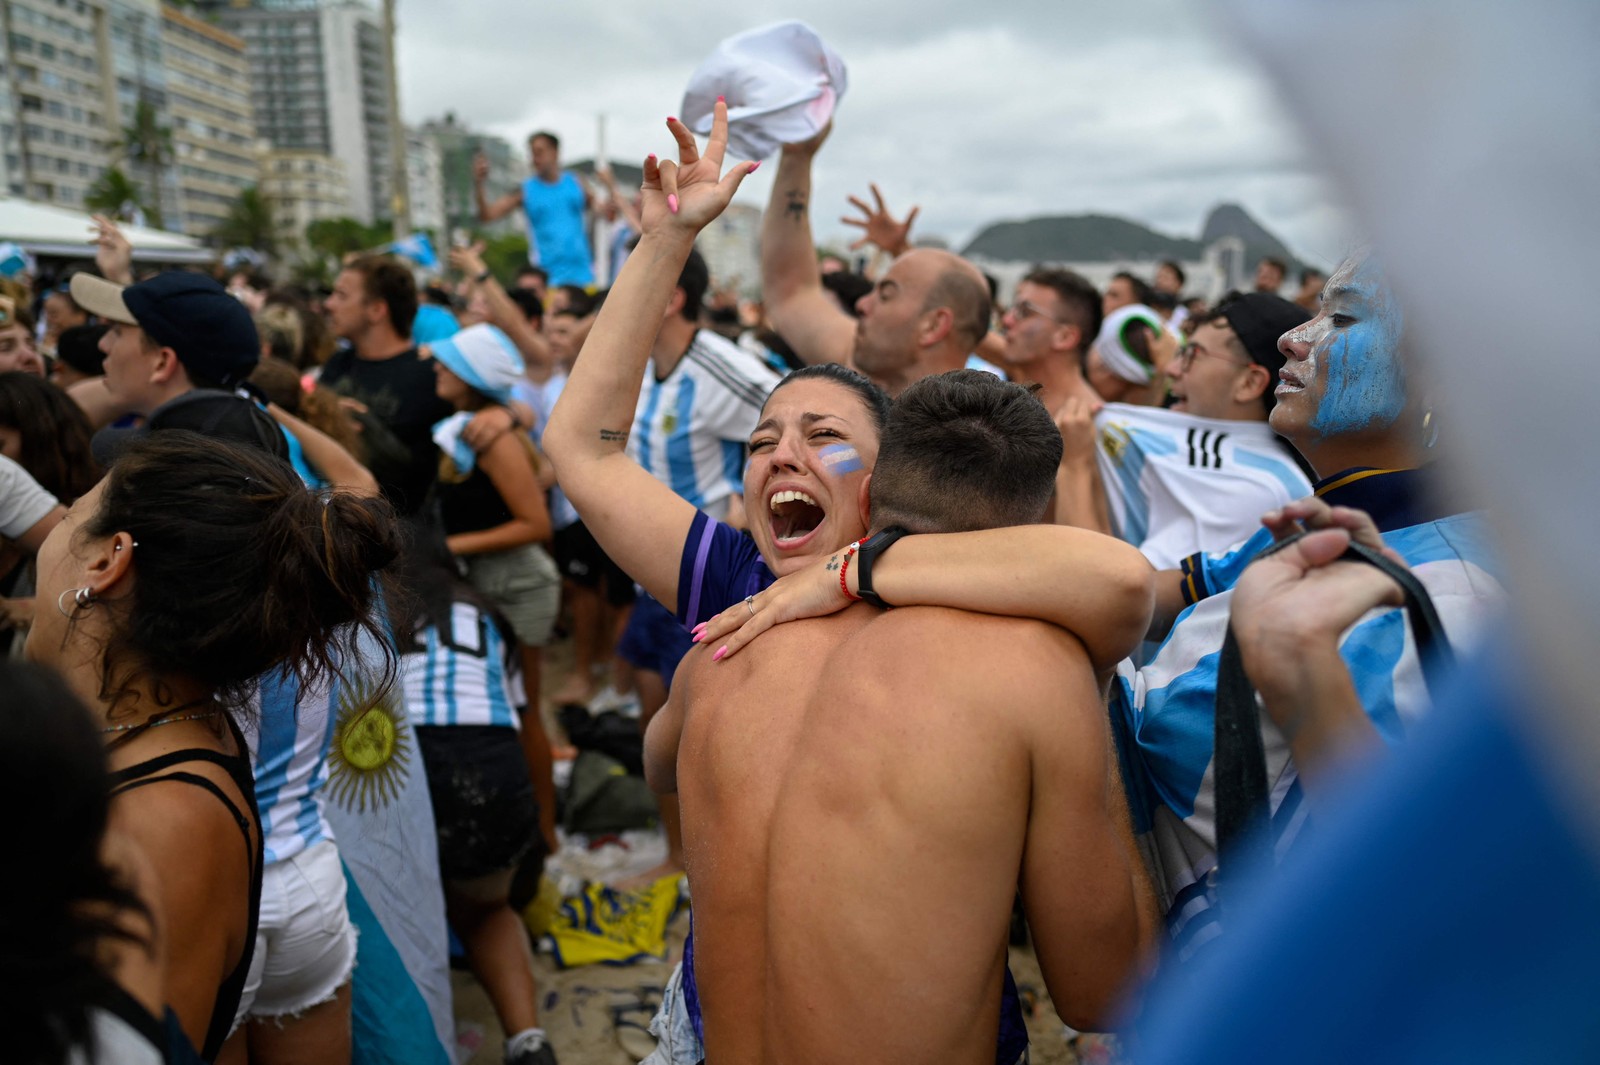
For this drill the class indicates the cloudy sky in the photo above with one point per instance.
(978, 112)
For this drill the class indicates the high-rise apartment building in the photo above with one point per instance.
(425, 183)
(94, 83)
(54, 121)
(215, 154)
(302, 187)
(320, 81)
(458, 144)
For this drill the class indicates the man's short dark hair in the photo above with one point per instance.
(530, 270)
(1141, 287)
(695, 280)
(1080, 301)
(1309, 272)
(1183, 278)
(965, 450)
(849, 286)
(1275, 262)
(385, 279)
(528, 303)
(544, 134)
(579, 299)
(968, 299)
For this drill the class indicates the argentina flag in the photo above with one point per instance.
(418, 248)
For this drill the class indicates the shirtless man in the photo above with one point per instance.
(855, 854)
(925, 315)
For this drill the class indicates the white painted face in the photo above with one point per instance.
(1343, 373)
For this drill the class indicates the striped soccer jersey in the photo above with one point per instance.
(1165, 710)
(1176, 484)
(691, 429)
(467, 676)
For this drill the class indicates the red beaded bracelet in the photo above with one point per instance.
(844, 568)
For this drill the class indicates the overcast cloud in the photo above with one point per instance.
(977, 114)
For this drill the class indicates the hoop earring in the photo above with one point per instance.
(1430, 429)
(82, 599)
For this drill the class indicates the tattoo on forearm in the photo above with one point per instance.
(614, 436)
(833, 563)
(796, 208)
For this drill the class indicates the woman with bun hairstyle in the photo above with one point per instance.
(167, 590)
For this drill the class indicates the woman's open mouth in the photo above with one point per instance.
(794, 517)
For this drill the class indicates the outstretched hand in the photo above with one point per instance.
(880, 227)
(689, 193)
(808, 593)
(468, 260)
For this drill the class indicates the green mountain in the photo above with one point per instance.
(1092, 238)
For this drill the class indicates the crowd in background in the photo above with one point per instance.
(255, 532)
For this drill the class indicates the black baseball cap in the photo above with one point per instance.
(219, 415)
(1258, 319)
(211, 332)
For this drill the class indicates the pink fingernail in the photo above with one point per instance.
(701, 627)
(722, 99)
(697, 637)
(651, 157)
(671, 119)
(672, 204)
(722, 652)
(753, 166)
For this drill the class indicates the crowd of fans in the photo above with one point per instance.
(242, 519)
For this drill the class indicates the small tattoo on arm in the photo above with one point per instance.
(833, 563)
(614, 436)
(796, 208)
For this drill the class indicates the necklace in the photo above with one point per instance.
(163, 721)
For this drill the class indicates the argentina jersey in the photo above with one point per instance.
(1165, 710)
(464, 675)
(1176, 484)
(690, 429)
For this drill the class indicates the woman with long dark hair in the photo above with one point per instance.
(194, 567)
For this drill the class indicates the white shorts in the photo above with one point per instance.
(305, 943)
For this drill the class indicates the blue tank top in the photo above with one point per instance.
(557, 240)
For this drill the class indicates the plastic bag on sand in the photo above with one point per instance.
(781, 83)
(606, 926)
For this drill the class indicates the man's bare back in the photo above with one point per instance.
(862, 796)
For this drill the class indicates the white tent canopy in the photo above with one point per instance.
(54, 231)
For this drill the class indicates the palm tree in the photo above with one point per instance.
(114, 193)
(148, 143)
(248, 223)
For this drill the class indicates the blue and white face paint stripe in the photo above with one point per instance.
(839, 459)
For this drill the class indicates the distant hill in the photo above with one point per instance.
(1231, 220)
(1093, 238)
(1077, 238)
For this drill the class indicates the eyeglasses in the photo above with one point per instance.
(1022, 310)
(1188, 353)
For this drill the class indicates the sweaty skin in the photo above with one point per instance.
(857, 822)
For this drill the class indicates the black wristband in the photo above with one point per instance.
(871, 548)
(481, 278)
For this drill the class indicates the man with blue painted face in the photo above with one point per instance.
(1354, 405)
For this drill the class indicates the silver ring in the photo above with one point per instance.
(750, 601)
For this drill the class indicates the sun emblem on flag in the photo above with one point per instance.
(371, 750)
(1114, 439)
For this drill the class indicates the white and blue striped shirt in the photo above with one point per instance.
(1165, 710)
(690, 430)
(1176, 484)
(469, 676)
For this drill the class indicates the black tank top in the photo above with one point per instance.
(248, 819)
